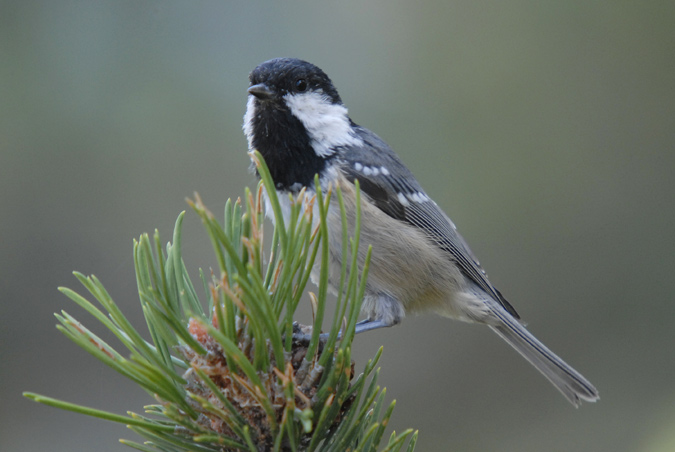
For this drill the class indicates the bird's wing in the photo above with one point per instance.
(392, 188)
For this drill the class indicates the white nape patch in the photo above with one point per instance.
(327, 123)
(248, 120)
(402, 199)
(384, 171)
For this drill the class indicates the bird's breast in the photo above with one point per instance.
(404, 263)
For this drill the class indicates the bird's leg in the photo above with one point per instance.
(368, 324)
(382, 310)
(303, 333)
(362, 326)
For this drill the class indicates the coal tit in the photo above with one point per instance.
(297, 121)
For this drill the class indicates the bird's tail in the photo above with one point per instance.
(567, 380)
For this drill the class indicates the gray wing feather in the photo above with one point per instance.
(384, 187)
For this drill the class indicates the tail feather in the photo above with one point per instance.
(567, 380)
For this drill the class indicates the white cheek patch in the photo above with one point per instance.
(327, 123)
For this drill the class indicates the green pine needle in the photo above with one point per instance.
(231, 370)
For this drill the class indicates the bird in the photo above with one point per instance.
(297, 121)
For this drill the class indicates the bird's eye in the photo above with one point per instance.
(301, 84)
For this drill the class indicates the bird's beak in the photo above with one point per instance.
(261, 91)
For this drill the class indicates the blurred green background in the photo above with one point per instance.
(546, 129)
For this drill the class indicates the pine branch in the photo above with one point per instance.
(234, 372)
